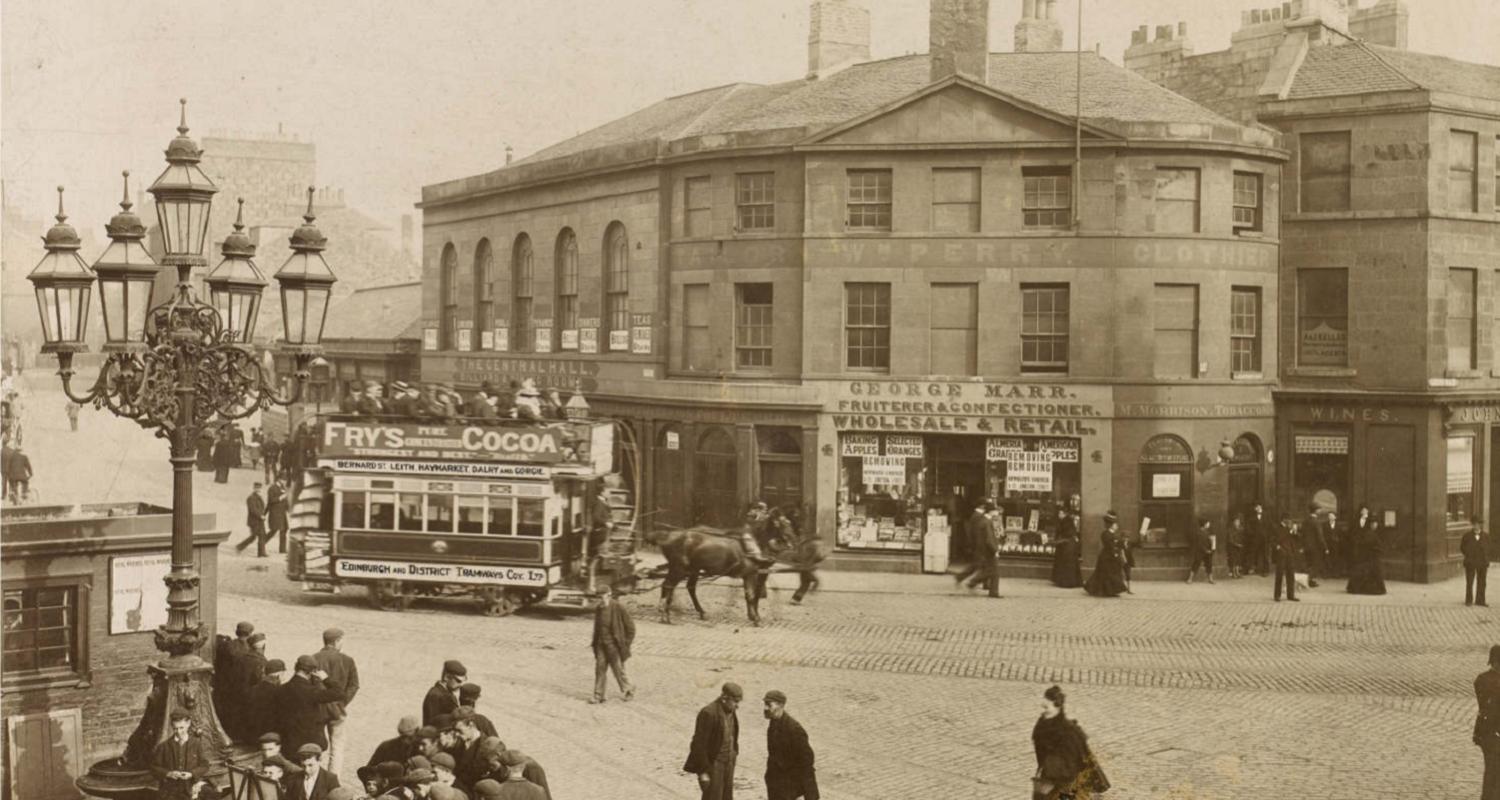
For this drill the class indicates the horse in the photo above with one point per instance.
(695, 553)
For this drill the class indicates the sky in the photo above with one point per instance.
(401, 94)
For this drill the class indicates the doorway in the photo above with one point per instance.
(716, 481)
(957, 486)
(1245, 476)
(669, 480)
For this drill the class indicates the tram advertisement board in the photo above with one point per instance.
(344, 439)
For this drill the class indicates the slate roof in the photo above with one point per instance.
(375, 312)
(1111, 94)
(1362, 68)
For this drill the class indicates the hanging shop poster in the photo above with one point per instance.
(859, 444)
(543, 340)
(588, 340)
(429, 338)
(502, 339)
(673, 441)
(465, 339)
(1059, 449)
(619, 340)
(884, 471)
(487, 340)
(137, 595)
(570, 339)
(997, 449)
(1028, 472)
(640, 340)
(1165, 486)
(904, 446)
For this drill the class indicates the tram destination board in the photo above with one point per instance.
(373, 439)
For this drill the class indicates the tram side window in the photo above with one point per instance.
(440, 513)
(533, 518)
(383, 512)
(352, 510)
(501, 517)
(411, 511)
(470, 514)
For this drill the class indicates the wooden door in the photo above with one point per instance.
(669, 481)
(781, 484)
(716, 481)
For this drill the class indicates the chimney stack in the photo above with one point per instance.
(838, 36)
(1038, 31)
(958, 39)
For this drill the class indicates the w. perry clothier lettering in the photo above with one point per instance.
(375, 439)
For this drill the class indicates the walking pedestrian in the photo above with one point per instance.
(1366, 573)
(1285, 554)
(300, 705)
(1204, 543)
(1236, 549)
(1314, 547)
(987, 553)
(338, 668)
(974, 531)
(614, 632)
(442, 698)
(1065, 767)
(1067, 553)
(276, 517)
(1108, 578)
(255, 519)
(1475, 549)
(181, 760)
(315, 783)
(790, 772)
(72, 409)
(716, 744)
(1487, 725)
(468, 697)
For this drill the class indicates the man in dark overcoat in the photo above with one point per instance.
(1476, 553)
(468, 697)
(300, 705)
(1285, 554)
(442, 698)
(716, 744)
(255, 520)
(276, 519)
(973, 528)
(614, 632)
(261, 713)
(226, 665)
(789, 756)
(1487, 725)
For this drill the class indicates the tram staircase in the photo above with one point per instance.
(303, 520)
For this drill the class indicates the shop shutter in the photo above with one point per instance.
(46, 754)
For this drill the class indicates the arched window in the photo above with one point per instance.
(520, 296)
(567, 290)
(716, 480)
(484, 291)
(448, 288)
(617, 286)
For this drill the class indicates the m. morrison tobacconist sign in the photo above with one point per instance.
(941, 407)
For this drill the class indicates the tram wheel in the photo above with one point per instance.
(497, 602)
(387, 596)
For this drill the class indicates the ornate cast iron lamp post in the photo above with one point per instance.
(177, 367)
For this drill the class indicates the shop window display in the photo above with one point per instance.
(882, 492)
(1166, 468)
(1031, 480)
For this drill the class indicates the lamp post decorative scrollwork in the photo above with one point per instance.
(177, 367)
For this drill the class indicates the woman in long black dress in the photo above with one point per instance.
(1108, 578)
(1067, 554)
(1366, 575)
(1065, 769)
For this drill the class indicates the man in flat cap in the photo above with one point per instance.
(487, 789)
(315, 783)
(400, 748)
(468, 695)
(261, 699)
(342, 670)
(270, 753)
(789, 757)
(245, 671)
(300, 705)
(716, 744)
(444, 770)
(442, 698)
(1487, 725)
(614, 631)
(516, 787)
(181, 760)
(419, 781)
(226, 656)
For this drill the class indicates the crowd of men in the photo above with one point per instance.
(517, 400)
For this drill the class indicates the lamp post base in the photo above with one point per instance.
(177, 683)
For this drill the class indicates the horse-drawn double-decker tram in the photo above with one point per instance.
(498, 510)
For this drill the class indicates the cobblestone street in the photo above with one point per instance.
(907, 688)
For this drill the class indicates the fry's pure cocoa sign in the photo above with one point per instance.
(469, 442)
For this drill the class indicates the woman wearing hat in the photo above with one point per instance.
(1108, 578)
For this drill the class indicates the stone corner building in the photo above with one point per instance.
(885, 291)
(1390, 262)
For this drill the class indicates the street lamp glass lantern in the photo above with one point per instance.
(184, 196)
(127, 278)
(236, 284)
(63, 282)
(306, 284)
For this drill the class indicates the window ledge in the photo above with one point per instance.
(757, 234)
(1248, 376)
(35, 683)
(1463, 373)
(1322, 372)
(1249, 234)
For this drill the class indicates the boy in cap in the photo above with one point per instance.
(468, 696)
(614, 631)
(789, 757)
(442, 698)
(340, 669)
(420, 782)
(716, 744)
(181, 760)
(516, 787)
(300, 703)
(400, 748)
(315, 783)
(270, 753)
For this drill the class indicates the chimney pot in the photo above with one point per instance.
(838, 35)
(958, 35)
